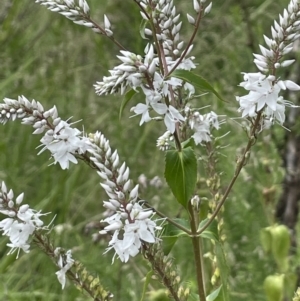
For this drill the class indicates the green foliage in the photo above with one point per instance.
(214, 295)
(147, 281)
(224, 271)
(211, 232)
(142, 29)
(181, 173)
(197, 81)
(128, 96)
(171, 233)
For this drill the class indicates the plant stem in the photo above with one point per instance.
(241, 163)
(196, 240)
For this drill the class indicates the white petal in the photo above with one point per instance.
(291, 85)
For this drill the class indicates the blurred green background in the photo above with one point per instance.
(46, 57)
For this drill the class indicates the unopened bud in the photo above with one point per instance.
(208, 9)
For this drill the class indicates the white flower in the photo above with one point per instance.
(130, 230)
(142, 109)
(185, 64)
(264, 94)
(278, 114)
(65, 262)
(133, 235)
(162, 86)
(126, 247)
(263, 91)
(19, 234)
(163, 141)
(21, 222)
(172, 115)
(202, 125)
(64, 142)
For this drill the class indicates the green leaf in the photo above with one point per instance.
(190, 142)
(128, 95)
(181, 173)
(211, 232)
(168, 244)
(171, 234)
(197, 81)
(147, 281)
(142, 29)
(171, 230)
(212, 296)
(222, 264)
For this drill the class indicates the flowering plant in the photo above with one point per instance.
(164, 79)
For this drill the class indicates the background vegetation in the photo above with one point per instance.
(46, 57)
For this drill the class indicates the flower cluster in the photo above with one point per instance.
(284, 34)
(264, 89)
(77, 12)
(202, 125)
(21, 221)
(163, 142)
(131, 224)
(165, 28)
(151, 73)
(264, 94)
(63, 141)
(132, 72)
(65, 262)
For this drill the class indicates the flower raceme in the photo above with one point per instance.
(132, 226)
(21, 221)
(130, 223)
(137, 72)
(150, 73)
(21, 224)
(264, 87)
(264, 94)
(63, 141)
(284, 34)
